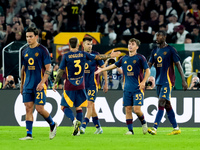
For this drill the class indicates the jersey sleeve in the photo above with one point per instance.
(119, 62)
(90, 56)
(46, 57)
(175, 55)
(151, 59)
(63, 63)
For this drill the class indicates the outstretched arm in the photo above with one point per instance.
(106, 56)
(105, 87)
(58, 77)
(113, 66)
(180, 70)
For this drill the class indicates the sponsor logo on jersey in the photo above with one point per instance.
(155, 54)
(125, 62)
(26, 55)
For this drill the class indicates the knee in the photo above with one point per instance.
(39, 109)
(90, 104)
(162, 102)
(137, 110)
(128, 109)
(168, 106)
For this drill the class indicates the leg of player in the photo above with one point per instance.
(161, 106)
(139, 113)
(87, 117)
(53, 125)
(79, 114)
(129, 120)
(171, 116)
(95, 120)
(29, 120)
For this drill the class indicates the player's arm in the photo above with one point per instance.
(180, 70)
(105, 87)
(47, 72)
(58, 77)
(147, 74)
(22, 79)
(106, 56)
(113, 66)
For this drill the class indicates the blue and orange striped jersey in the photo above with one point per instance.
(90, 67)
(74, 65)
(34, 61)
(133, 70)
(163, 60)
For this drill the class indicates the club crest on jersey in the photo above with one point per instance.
(155, 54)
(36, 54)
(164, 53)
(26, 55)
(134, 61)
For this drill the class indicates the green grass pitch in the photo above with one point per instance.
(113, 138)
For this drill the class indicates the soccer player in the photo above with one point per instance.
(36, 68)
(74, 89)
(91, 86)
(133, 66)
(163, 58)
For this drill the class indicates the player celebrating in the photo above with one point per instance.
(74, 89)
(133, 67)
(163, 58)
(36, 68)
(91, 86)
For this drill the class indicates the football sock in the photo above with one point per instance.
(51, 122)
(69, 113)
(158, 116)
(142, 119)
(29, 126)
(171, 116)
(79, 115)
(85, 122)
(96, 122)
(129, 123)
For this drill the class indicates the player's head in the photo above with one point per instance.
(133, 44)
(161, 37)
(73, 42)
(32, 35)
(87, 44)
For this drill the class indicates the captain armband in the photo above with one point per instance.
(47, 72)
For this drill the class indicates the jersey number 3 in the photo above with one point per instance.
(77, 65)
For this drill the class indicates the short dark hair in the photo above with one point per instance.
(135, 40)
(73, 42)
(162, 32)
(87, 39)
(32, 29)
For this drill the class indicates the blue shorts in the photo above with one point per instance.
(76, 98)
(38, 97)
(164, 91)
(91, 93)
(133, 98)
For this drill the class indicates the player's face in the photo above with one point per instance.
(160, 38)
(132, 46)
(31, 38)
(87, 45)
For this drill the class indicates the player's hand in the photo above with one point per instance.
(40, 86)
(184, 85)
(115, 54)
(55, 87)
(98, 71)
(142, 85)
(105, 88)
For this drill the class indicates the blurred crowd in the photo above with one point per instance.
(118, 19)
